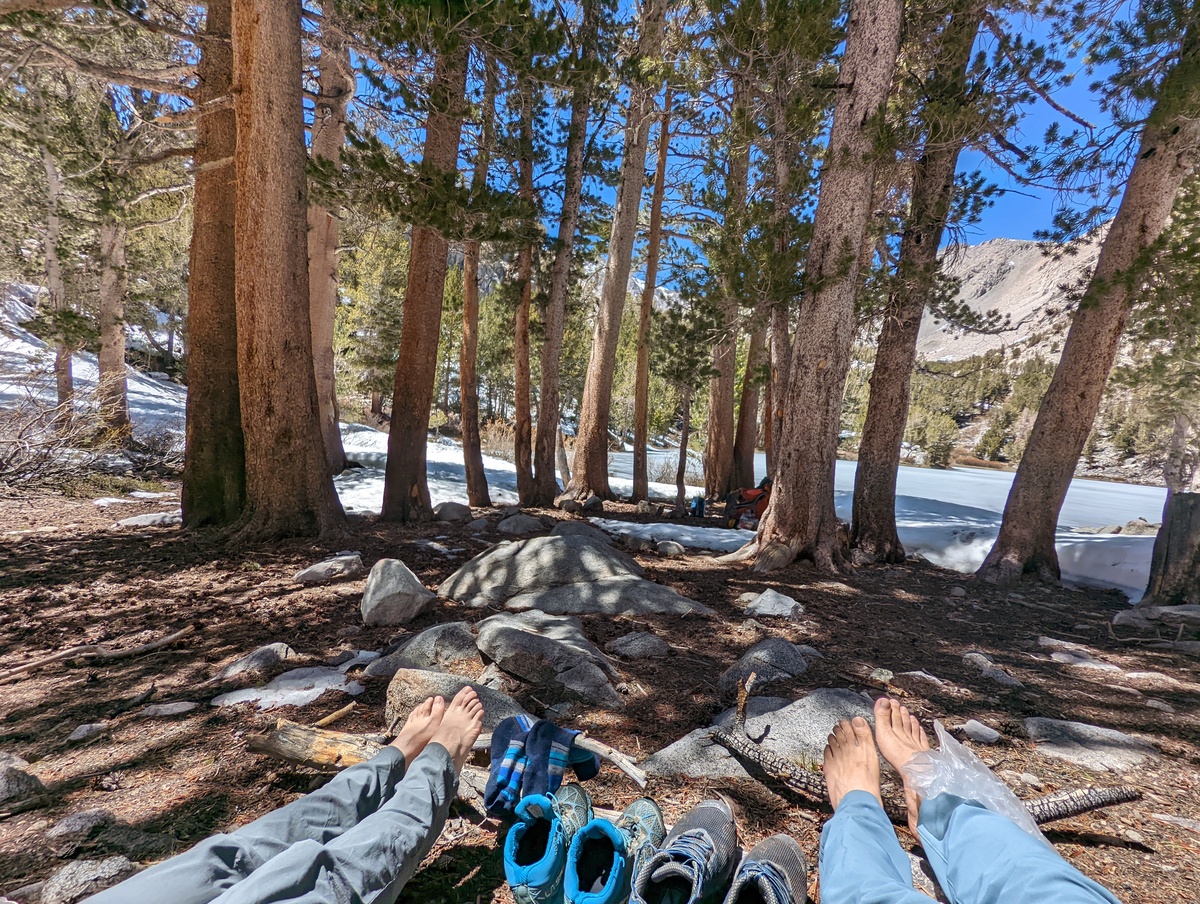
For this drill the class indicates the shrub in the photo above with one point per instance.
(498, 439)
(941, 434)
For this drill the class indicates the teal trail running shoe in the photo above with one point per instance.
(535, 851)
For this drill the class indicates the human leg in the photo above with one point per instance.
(861, 859)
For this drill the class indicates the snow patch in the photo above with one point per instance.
(300, 687)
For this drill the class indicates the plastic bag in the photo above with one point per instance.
(953, 769)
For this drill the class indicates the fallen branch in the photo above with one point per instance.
(317, 748)
(99, 652)
(335, 715)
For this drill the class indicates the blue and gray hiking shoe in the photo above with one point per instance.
(535, 851)
(694, 863)
(603, 855)
(774, 872)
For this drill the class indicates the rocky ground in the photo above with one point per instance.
(128, 771)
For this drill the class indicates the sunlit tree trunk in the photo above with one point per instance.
(112, 389)
(214, 468)
(641, 402)
(746, 434)
(873, 530)
(591, 442)
(336, 87)
(801, 517)
(55, 286)
(406, 489)
(522, 383)
(289, 489)
(681, 467)
(1064, 419)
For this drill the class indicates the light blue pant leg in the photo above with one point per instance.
(201, 874)
(861, 858)
(981, 857)
(370, 863)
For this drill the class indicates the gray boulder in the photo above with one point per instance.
(83, 732)
(639, 645)
(518, 524)
(11, 759)
(1090, 746)
(613, 596)
(260, 660)
(980, 733)
(16, 785)
(452, 512)
(580, 529)
(438, 647)
(773, 604)
(990, 670)
(549, 651)
(570, 506)
(636, 542)
(670, 549)
(773, 659)
(539, 563)
(796, 731)
(593, 505)
(409, 687)
(347, 566)
(83, 878)
(394, 595)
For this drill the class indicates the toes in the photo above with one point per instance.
(882, 706)
(437, 706)
(861, 730)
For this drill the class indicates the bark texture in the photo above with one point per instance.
(522, 383)
(641, 395)
(289, 489)
(55, 286)
(873, 529)
(681, 466)
(336, 88)
(405, 489)
(1175, 562)
(550, 398)
(214, 469)
(746, 434)
(112, 391)
(591, 441)
(468, 377)
(719, 478)
(1165, 157)
(801, 517)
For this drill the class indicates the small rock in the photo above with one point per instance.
(990, 670)
(639, 645)
(260, 660)
(452, 512)
(980, 733)
(83, 732)
(163, 710)
(17, 785)
(394, 595)
(636, 543)
(78, 880)
(570, 506)
(670, 549)
(881, 676)
(349, 630)
(331, 569)
(1032, 781)
(921, 675)
(958, 591)
(809, 653)
(519, 524)
(1135, 836)
(773, 659)
(81, 824)
(773, 604)
(644, 507)
(1161, 705)
(1090, 746)
(479, 524)
(593, 504)
(862, 557)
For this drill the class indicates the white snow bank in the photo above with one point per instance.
(719, 539)
(300, 687)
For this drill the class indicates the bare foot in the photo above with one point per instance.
(851, 761)
(461, 726)
(418, 729)
(900, 737)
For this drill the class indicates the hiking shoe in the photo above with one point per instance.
(694, 863)
(774, 872)
(602, 856)
(535, 851)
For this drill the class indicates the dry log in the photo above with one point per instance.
(98, 651)
(318, 748)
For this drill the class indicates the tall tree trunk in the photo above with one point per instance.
(550, 398)
(468, 351)
(779, 342)
(780, 349)
(336, 88)
(1064, 419)
(406, 489)
(681, 467)
(591, 441)
(214, 462)
(289, 489)
(873, 527)
(112, 389)
(522, 381)
(718, 449)
(746, 434)
(564, 467)
(55, 286)
(641, 401)
(801, 517)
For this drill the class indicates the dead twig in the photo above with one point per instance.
(335, 715)
(99, 652)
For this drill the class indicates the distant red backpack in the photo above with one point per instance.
(752, 500)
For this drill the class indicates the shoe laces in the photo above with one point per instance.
(694, 846)
(770, 875)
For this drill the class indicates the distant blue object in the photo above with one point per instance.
(698, 507)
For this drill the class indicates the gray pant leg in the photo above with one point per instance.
(371, 863)
(214, 865)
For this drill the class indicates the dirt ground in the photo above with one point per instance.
(68, 578)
